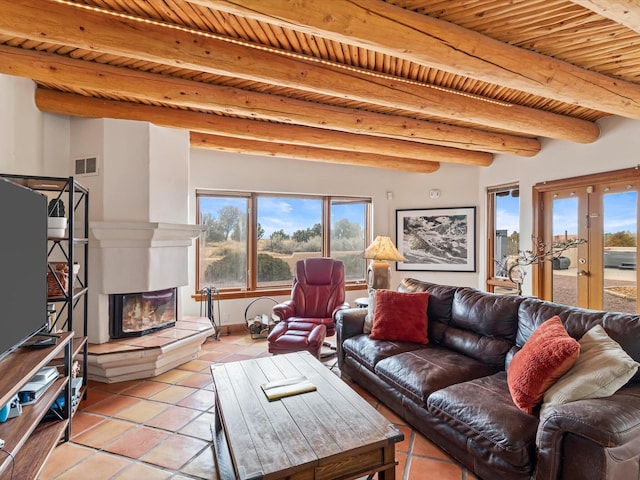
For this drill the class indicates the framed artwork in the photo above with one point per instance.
(437, 239)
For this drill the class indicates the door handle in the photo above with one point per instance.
(583, 273)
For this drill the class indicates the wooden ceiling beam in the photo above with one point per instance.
(624, 12)
(392, 30)
(41, 20)
(55, 69)
(281, 150)
(78, 105)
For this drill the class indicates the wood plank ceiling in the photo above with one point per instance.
(398, 84)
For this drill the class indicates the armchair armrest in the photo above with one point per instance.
(284, 310)
(605, 424)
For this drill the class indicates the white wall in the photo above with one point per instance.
(31, 143)
(617, 148)
(229, 172)
(35, 143)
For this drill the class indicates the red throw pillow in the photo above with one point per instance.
(544, 358)
(400, 316)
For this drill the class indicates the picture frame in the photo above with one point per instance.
(437, 239)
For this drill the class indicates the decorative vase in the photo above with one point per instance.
(56, 226)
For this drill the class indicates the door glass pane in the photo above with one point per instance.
(223, 246)
(565, 268)
(620, 251)
(348, 220)
(507, 239)
(289, 229)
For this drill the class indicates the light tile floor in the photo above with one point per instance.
(159, 428)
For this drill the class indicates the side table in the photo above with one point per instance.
(362, 302)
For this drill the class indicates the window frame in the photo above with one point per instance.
(494, 282)
(251, 289)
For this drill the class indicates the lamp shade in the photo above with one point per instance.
(382, 248)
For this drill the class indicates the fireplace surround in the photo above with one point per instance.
(137, 314)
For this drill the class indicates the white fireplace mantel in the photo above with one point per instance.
(141, 256)
(143, 234)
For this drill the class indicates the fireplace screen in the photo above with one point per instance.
(136, 314)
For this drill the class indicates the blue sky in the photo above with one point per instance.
(288, 214)
(619, 214)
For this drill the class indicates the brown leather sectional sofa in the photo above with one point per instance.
(454, 389)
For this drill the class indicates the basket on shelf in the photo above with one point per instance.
(260, 324)
(57, 288)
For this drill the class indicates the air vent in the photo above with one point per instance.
(86, 166)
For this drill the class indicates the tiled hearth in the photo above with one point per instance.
(159, 428)
(149, 355)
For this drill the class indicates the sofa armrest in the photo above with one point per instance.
(349, 323)
(607, 424)
(284, 310)
(344, 306)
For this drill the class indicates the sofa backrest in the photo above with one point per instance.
(621, 327)
(478, 324)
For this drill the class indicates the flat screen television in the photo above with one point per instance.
(23, 265)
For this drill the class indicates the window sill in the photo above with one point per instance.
(234, 294)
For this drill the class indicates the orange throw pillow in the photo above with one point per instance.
(544, 358)
(400, 316)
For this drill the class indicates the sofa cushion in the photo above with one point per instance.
(482, 410)
(483, 325)
(546, 356)
(400, 316)
(369, 351)
(418, 373)
(601, 369)
(440, 300)
(623, 328)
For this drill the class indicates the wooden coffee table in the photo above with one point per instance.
(331, 433)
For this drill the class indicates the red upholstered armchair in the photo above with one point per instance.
(317, 293)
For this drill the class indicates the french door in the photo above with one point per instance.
(602, 209)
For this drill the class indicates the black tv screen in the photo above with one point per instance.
(23, 264)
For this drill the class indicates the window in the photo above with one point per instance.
(253, 240)
(503, 214)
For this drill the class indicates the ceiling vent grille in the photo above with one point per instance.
(86, 166)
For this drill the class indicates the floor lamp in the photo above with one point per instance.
(381, 252)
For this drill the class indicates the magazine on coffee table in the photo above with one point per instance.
(287, 387)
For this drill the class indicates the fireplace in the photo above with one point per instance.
(137, 314)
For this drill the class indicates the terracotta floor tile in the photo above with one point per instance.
(200, 400)
(140, 471)
(117, 387)
(175, 452)
(198, 380)
(176, 439)
(173, 418)
(136, 443)
(145, 389)
(112, 405)
(195, 366)
(202, 466)
(141, 411)
(200, 427)
(172, 376)
(64, 457)
(389, 415)
(93, 397)
(173, 394)
(83, 421)
(428, 469)
(213, 356)
(103, 433)
(424, 447)
(235, 357)
(405, 444)
(100, 466)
